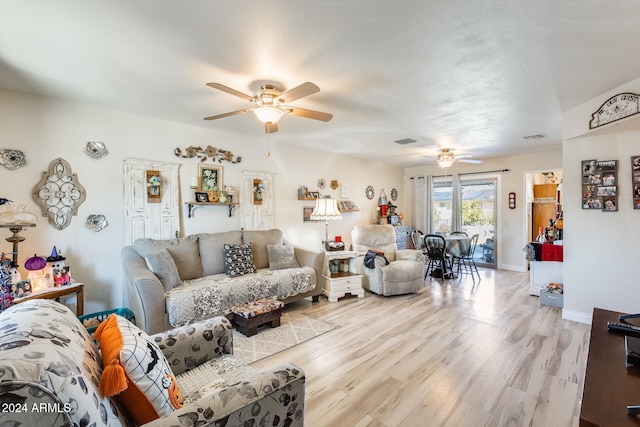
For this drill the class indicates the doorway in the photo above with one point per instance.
(543, 191)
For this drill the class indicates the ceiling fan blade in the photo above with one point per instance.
(309, 114)
(475, 162)
(271, 127)
(305, 89)
(463, 156)
(232, 113)
(230, 91)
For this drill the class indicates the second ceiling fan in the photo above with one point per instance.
(270, 104)
(446, 158)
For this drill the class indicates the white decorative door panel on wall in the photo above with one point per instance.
(150, 210)
(256, 200)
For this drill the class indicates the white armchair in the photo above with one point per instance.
(405, 272)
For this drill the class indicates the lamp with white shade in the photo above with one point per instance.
(326, 210)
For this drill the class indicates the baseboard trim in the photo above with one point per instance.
(577, 316)
(513, 267)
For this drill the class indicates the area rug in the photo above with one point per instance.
(294, 328)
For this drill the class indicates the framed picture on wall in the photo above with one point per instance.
(588, 167)
(609, 204)
(635, 180)
(306, 214)
(202, 197)
(209, 178)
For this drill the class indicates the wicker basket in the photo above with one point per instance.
(102, 315)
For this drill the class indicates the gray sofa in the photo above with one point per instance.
(52, 370)
(188, 281)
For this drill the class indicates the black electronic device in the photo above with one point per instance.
(624, 328)
(633, 410)
(632, 350)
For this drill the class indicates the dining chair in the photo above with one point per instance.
(417, 238)
(459, 233)
(439, 261)
(466, 263)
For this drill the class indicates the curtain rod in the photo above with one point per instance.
(467, 173)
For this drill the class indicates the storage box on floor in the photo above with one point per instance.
(552, 295)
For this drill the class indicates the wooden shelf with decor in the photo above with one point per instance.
(193, 204)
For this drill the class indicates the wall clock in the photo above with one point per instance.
(59, 193)
(370, 192)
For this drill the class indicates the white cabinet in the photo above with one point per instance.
(542, 273)
(339, 275)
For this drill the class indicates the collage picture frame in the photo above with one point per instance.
(600, 185)
(635, 180)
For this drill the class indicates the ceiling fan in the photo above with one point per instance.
(446, 158)
(269, 104)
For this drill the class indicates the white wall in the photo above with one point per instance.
(512, 236)
(601, 248)
(45, 128)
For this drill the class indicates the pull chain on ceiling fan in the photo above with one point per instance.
(269, 104)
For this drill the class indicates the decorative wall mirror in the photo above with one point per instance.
(59, 193)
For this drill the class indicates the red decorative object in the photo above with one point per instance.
(552, 252)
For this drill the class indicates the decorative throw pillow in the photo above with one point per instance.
(136, 371)
(161, 264)
(187, 259)
(260, 239)
(238, 260)
(281, 257)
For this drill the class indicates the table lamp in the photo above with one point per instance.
(325, 210)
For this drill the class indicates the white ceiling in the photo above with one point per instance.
(474, 75)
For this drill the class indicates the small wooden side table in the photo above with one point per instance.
(55, 293)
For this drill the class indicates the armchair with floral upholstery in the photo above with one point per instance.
(51, 369)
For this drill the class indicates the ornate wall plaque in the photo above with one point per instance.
(617, 107)
(59, 193)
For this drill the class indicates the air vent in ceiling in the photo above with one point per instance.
(535, 137)
(405, 141)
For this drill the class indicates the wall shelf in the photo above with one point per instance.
(192, 205)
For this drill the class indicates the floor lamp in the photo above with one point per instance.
(15, 219)
(326, 210)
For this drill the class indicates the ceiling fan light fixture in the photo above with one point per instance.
(446, 159)
(268, 114)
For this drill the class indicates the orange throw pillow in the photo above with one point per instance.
(136, 371)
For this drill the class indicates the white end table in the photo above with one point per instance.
(340, 276)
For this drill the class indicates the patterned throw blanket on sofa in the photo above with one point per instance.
(213, 295)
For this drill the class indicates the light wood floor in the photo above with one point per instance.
(452, 355)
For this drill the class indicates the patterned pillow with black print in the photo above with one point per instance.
(238, 260)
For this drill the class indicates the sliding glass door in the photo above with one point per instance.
(479, 217)
(478, 213)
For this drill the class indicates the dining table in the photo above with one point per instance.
(457, 245)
